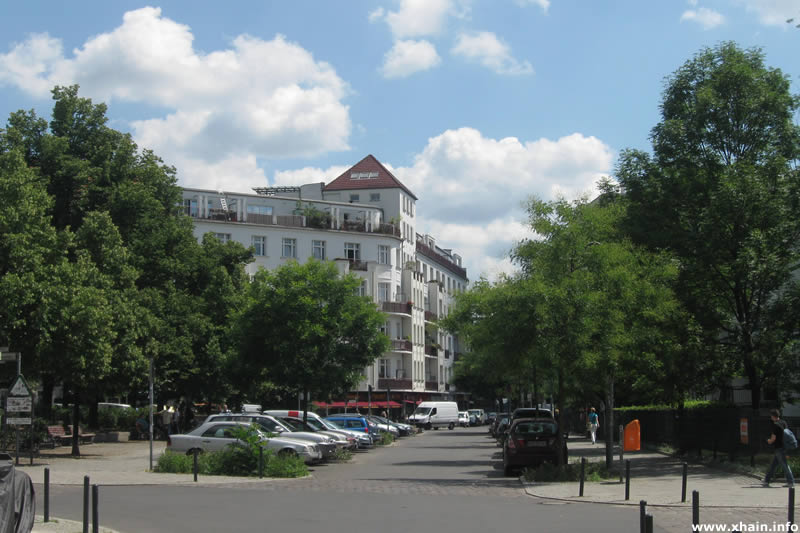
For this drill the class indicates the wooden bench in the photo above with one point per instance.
(61, 436)
(57, 435)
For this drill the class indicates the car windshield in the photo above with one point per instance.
(316, 424)
(422, 411)
(338, 423)
(475, 412)
(535, 429)
(296, 425)
(328, 424)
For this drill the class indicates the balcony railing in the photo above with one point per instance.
(431, 385)
(401, 345)
(430, 316)
(394, 384)
(431, 351)
(355, 264)
(291, 220)
(441, 259)
(395, 307)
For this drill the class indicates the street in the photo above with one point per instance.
(443, 481)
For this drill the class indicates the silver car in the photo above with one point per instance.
(216, 436)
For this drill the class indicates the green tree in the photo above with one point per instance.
(722, 193)
(305, 329)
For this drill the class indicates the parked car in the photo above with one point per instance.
(531, 412)
(530, 442)
(355, 423)
(363, 441)
(297, 424)
(480, 416)
(491, 417)
(270, 424)
(403, 429)
(384, 425)
(494, 429)
(463, 419)
(501, 430)
(216, 436)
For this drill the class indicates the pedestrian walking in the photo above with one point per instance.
(776, 439)
(593, 424)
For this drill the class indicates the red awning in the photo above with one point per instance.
(358, 405)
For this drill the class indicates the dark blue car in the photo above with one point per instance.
(354, 423)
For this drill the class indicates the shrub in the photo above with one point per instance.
(107, 417)
(569, 472)
(285, 466)
(342, 456)
(386, 439)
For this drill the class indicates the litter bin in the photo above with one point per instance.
(632, 437)
(17, 502)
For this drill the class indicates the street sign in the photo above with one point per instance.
(19, 404)
(18, 421)
(5, 355)
(19, 388)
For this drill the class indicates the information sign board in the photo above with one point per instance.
(19, 404)
(18, 421)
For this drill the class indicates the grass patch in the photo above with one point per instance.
(570, 472)
(386, 439)
(342, 456)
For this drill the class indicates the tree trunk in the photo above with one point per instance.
(76, 415)
(609, 415)
(753, 381)
(560, 420)
(305, 405)
(46, 402)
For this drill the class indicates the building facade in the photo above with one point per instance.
(365, 222)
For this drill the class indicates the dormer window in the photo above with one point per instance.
(363, 175)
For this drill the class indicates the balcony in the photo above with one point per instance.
(297, 221)
(394, 384)
(401, 345)
(431, 351)
(431, 385)
(396, 307)
(441, 259)
(355, 264)
(430, 316)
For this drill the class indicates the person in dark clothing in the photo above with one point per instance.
(776, 439)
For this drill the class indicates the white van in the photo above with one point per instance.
(435, 415)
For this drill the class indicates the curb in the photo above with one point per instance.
(62, 525)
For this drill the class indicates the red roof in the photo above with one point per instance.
(366, 168)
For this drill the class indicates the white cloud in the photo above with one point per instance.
(303, 176)
(407, 57)
(544, 4)
(708, 18)
(774, 12)
(486, 49)
(417, 18)
(376, 15)
(267, 98)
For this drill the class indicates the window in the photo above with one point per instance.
(259, 242)
(398, 263)
(383, 292)
(318, 250)
(374, 197)
(383, 369)
(362, 289)
(363, 175)
(190, 207)
(383, 254)
(259, 209)
(352, 250)
(223, 237)
(354, 197)
(289, 248)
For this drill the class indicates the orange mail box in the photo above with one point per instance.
(632, 437)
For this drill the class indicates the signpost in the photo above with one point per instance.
(20, 402)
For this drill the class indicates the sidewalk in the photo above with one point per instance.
(657, 479)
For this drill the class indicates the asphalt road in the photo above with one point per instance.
(440, 481)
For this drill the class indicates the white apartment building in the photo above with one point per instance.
(364, 221)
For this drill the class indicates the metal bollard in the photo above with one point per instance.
(627, 479)
(648, 524)
(194, 466)
(791, 505)
(683, 485)
(260, 462)
(695, 508)
(95, 511)
(642, 515)
(583, 474)
(85, 504)
(46, 494)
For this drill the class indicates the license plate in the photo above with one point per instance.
(536, 443)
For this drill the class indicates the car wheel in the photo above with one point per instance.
(507, 470)
(428, 426)
(451, 426)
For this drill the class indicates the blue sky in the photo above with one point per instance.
(474, 104)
